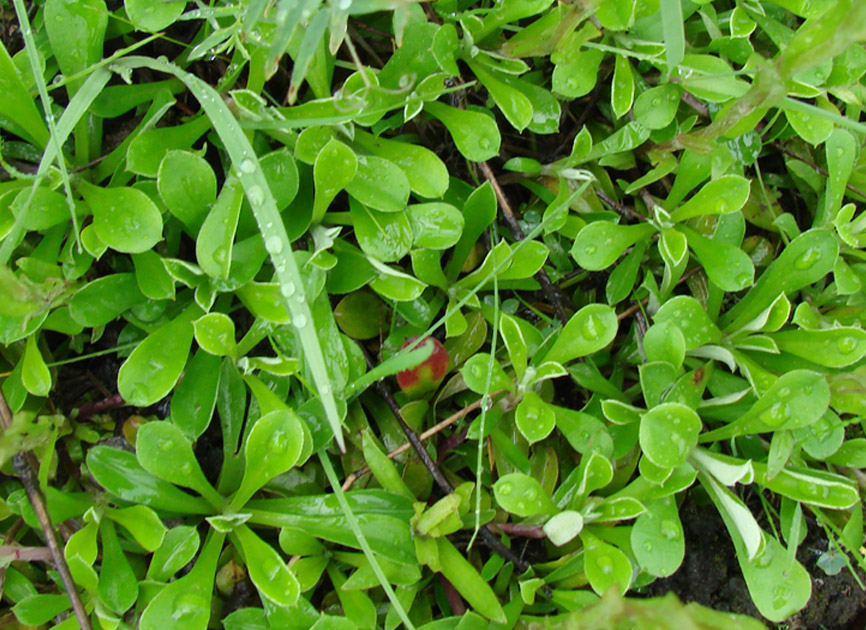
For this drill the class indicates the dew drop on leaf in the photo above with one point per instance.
(605, 563)
(300, 320)
(505, 489)
(248, 166)
(256, 195)
(807, 259)
(846, 345)
(274, 245)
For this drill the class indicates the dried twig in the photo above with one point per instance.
(624, 211)
(558, 300)
(25, 465)
(27, 554)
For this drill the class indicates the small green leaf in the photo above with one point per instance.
(273, 579)
(143, 523)
(668, 432)
(797, 399)
(657, 538)
(622, 88)
(664, 341)
(436, 225)
(163, 450)
(125, 219)
(150, 17)
(379, 184)
(600, 243)
(178, 547)
(479, 369)
(427, 173)
(100, 301)
(475, 134)
(728, 193)
(513, 104)
(194, 399)
(187, 186)
(272, 448)
(830, 347)
(535, 418)
(213, 247)
(512, 336)
(155, 365)
(589, 330)
(522, 495)
(563, 527)
(35, 375)
(383, 469)
(605, 565)
(386, 236)
(728, 267)
(335, 167)
(118, 587)
(215, 333)
(657, 107)
(689, 316)
(38, 609)
(185, 604)
(471, 586)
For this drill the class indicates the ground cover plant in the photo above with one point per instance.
(370, 313)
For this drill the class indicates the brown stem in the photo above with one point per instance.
(489, 538)
(624, 211)
(27, 554)
(454, 600)
(553, 295)
(815, 167)
(631, 310)
(25, 464)
(520, 529)
(444, 424)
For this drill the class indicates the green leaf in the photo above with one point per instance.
(273, 447)
(830, 347)
(728, 193)
(178, 547)
(121, 475)
(383, 468)
(118, 587)
(194, 399)
(273, 579)
(143, 523)
(622, 88)
(334, 169)
(34, 373)
(17, 108)
(480, 372)
(471, 586)
(427, 174)
(213, 247)
(379, 184)
(76, 31)
(150, 17)
(155, 365)
(689, 316)
(797, 399)
(164, 451)
(657, 538)
(522, 495)
(513, 104)
(728, 267)
(600, 243)
(563, 527)
(805, 485)
(185, 604)
(38, 609)
(436, 225)
(668, 432)
(125, 219)
(215, 333)
(589, 330)
(805, 260)
(664, 341)
(99, 302)
(535, 418)
(386, 236)
(475, 134)
(187, 186)
(605, 565)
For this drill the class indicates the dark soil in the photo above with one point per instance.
(710, 575)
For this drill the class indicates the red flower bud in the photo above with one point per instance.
(427, 375)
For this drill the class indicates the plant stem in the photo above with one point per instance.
(25, 464)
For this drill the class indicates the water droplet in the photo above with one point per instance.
(722, 206)
(256, 195)
(656, 102)
(288, 289)
(648, 546)
(165, 445)
(185, 468)
(274, 245)
(530, 494)
(605, 563)
(220, 255)
(807, 259)
(775, 415)
(279, 442)
(188, 605)
(248, 166)
(505, 488)
(589, 250)
(784, 392)
(846, 345)
(592, 327)
(299, 320)
(324, 389)
(669, 529)
(780, 596)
